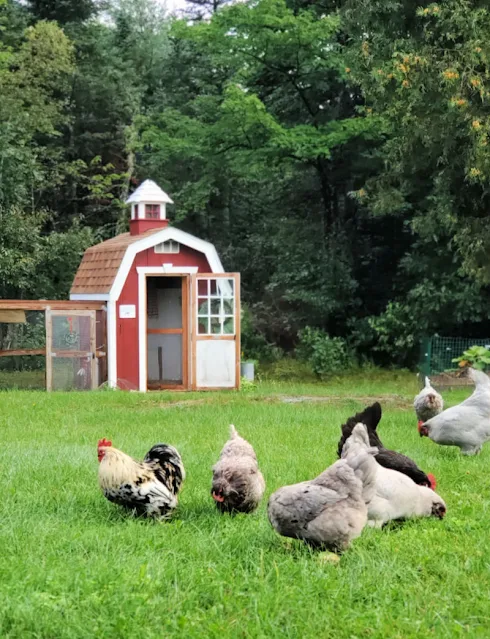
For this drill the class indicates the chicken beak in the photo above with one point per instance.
(217, 497)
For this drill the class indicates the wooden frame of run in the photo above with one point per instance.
(50, 352)
(184, 331)
(196, 337)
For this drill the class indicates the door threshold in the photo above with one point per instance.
(171, 387)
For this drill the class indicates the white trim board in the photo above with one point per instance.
(111, 344)
(166, 268)
(142, 337)
(169, 233)
(89, 297)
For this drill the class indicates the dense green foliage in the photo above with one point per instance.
(336, 153)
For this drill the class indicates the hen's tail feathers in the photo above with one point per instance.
(479, 377)
(233, 431)
(360, 457)
(370, 417)
(427, 382)
(357, 442)
(165, 455)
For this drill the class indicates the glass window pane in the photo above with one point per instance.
(229, 326)
(226, 286)
(216, 326)
(202, 286)
(228, 307)
(215, 306)
(213, 289)
(202, 306)
(203, 326)
(152, 211)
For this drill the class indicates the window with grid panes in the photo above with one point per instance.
(215, 306)
(152, 211)
(170, 246)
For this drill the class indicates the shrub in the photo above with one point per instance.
(254, 344)
(325, 354)
(475, 356)
(288, 370)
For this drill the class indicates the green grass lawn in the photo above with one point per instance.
(73, 565)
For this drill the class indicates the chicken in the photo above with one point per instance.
(329, 511)
(371, 417)
(428, 403)
(466, 425)
(238, 484)
(396, 496)
(149, 487)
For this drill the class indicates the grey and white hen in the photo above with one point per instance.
(238, 484)
(466, 425)
(330, 510)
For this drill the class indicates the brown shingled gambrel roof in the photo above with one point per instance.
(100, 263)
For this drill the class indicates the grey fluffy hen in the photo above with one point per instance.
(428, 403)
(238, 484)
(330, 510)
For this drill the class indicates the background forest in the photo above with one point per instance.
(336, 152)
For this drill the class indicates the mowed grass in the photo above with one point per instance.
(73, 565)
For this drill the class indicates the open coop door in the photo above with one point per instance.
(215, 331)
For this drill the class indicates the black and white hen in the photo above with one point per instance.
(149, 487)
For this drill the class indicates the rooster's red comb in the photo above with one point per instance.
(432, 479)
(104, 443)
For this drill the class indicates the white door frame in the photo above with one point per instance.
(143, 273)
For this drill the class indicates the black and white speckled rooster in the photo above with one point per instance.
(149, 487)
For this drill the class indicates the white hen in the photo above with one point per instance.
(466, 425)
(428, 403)
(396, 495)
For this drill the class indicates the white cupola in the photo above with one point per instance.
(148, 207)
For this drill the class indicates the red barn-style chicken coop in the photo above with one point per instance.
(173, 315)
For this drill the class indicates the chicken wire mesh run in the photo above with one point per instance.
(22, 345)
(437, 353)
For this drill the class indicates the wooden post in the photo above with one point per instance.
(49, 360)
(160, 364)
(93, 350)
